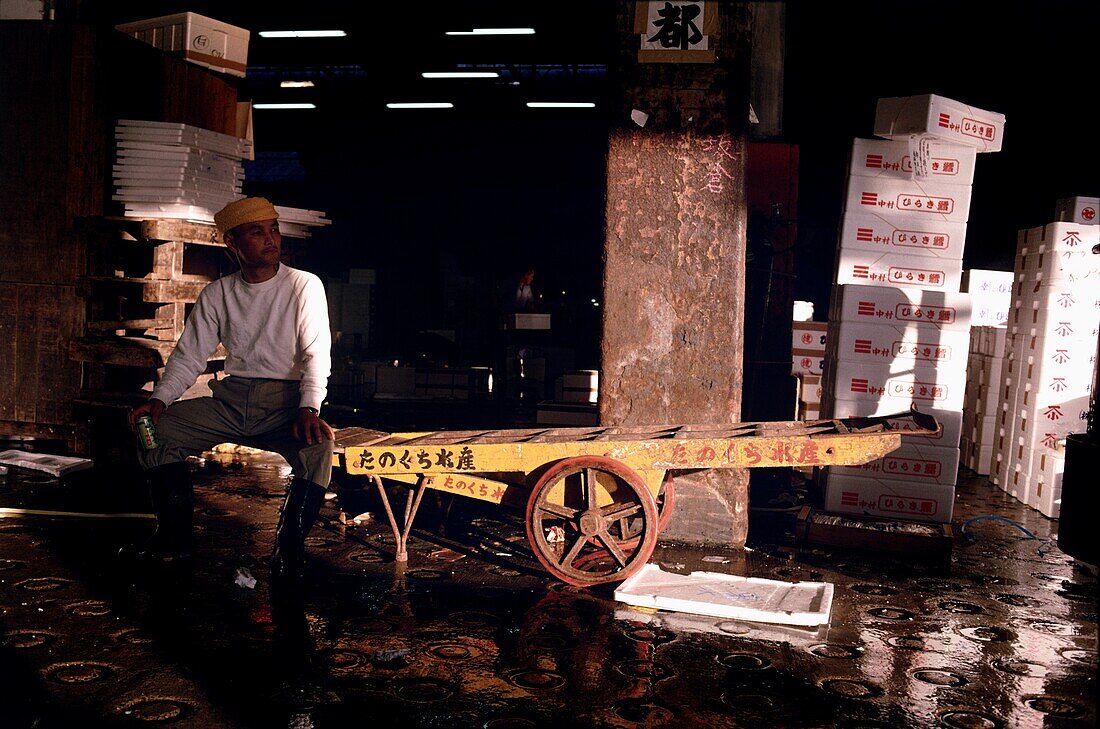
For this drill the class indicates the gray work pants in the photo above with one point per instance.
(251, 412)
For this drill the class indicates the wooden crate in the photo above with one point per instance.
(896, 537)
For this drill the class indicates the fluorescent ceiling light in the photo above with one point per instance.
(296, 84)
(302, 34)
(284, 106)
(560, 104)
(460, 74)
(422, 105)
(493, 31)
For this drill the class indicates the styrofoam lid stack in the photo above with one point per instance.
(179, 171)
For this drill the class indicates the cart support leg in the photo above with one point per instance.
(412, 503)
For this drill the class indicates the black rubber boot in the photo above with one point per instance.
(171, 493)
(300, 509)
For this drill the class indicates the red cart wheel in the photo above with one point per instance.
(574, 515)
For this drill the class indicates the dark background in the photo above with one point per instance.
(442, 204)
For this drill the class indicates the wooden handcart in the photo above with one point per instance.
(595, 498)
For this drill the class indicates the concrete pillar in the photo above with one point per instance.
(674, 276)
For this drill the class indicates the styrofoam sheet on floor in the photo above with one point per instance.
(729, 596)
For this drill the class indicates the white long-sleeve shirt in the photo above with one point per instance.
(276, 329)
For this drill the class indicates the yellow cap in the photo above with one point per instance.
(245, 210)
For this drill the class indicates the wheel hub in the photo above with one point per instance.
(591, 523)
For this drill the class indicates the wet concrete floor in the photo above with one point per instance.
(473, 633)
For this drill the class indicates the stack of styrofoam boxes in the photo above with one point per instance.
(990, 299)
(1050, 360)
(982, 398)
(892, 349)
(807, 353)
(899, 269)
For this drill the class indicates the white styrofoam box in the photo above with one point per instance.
(925, 387)
(989, 398)
(1071, 236)
(1021, 479)
(848, 494)
(898, 117)
(1062, 372)
(900, 344)
(951, 420)
(990, 312)
(1046, 420)
(1047, 494)
(877, 232)
(907, 199)
(23, 9)
(806, 361)
(966, 450)
(951, 164)
(983, 461)
(1047, 266)
(985, 428)
(940, 309)
(902, 270)
(579, 386)
(809, 335)
(1056, 310)
(986, 281)
(201, 40)
(1082, 210)
(993, 340)
(916, 462)
(803, 311)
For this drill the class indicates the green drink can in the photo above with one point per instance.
(147, 433)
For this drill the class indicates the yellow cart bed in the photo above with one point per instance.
(595, 498)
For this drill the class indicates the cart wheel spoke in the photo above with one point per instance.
(612, 547)
(563, 512)
(602, 543)
(590, 485)
(620, 511)
(574, 551)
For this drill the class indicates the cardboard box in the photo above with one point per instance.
(865, 496)
(1082, 210)
(950, 164)
(862, 303)
(900, 270)
(928, 114)
(906, 236)
(932, 541)
(907, 199)
(201, 40)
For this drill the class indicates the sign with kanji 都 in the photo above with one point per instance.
(676, 31)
